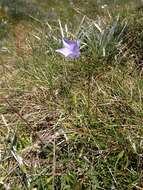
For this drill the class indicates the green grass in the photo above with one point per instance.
(72, 124)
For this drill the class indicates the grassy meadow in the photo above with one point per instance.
(71, 124)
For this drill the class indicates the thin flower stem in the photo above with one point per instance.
(89, 90)
(54, 163)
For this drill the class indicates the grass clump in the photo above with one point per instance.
(71, 124)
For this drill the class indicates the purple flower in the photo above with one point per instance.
(70, 49)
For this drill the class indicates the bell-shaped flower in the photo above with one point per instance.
(70, 49)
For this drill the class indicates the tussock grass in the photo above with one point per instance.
(71, 124)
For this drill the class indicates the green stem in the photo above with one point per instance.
(89, 90)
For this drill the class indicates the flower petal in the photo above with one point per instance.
(69, 44)
(64, 51)
(74, 54)
(71, 48)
